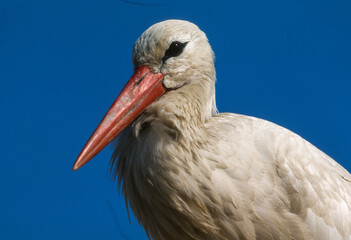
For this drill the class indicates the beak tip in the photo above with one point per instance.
(81, 160)
(77, 165)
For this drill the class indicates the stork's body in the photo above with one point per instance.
(191, 173)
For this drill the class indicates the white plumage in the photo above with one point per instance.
(191, 173)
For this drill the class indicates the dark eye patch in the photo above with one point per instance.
(174, 50)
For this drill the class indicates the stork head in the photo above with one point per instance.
(178, 49)
(167, 56)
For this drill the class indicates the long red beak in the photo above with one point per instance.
(143, 88)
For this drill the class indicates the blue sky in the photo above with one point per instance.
(62, 63)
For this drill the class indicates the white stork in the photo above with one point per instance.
(188, 172)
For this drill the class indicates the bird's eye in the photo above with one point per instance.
(174, 50)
